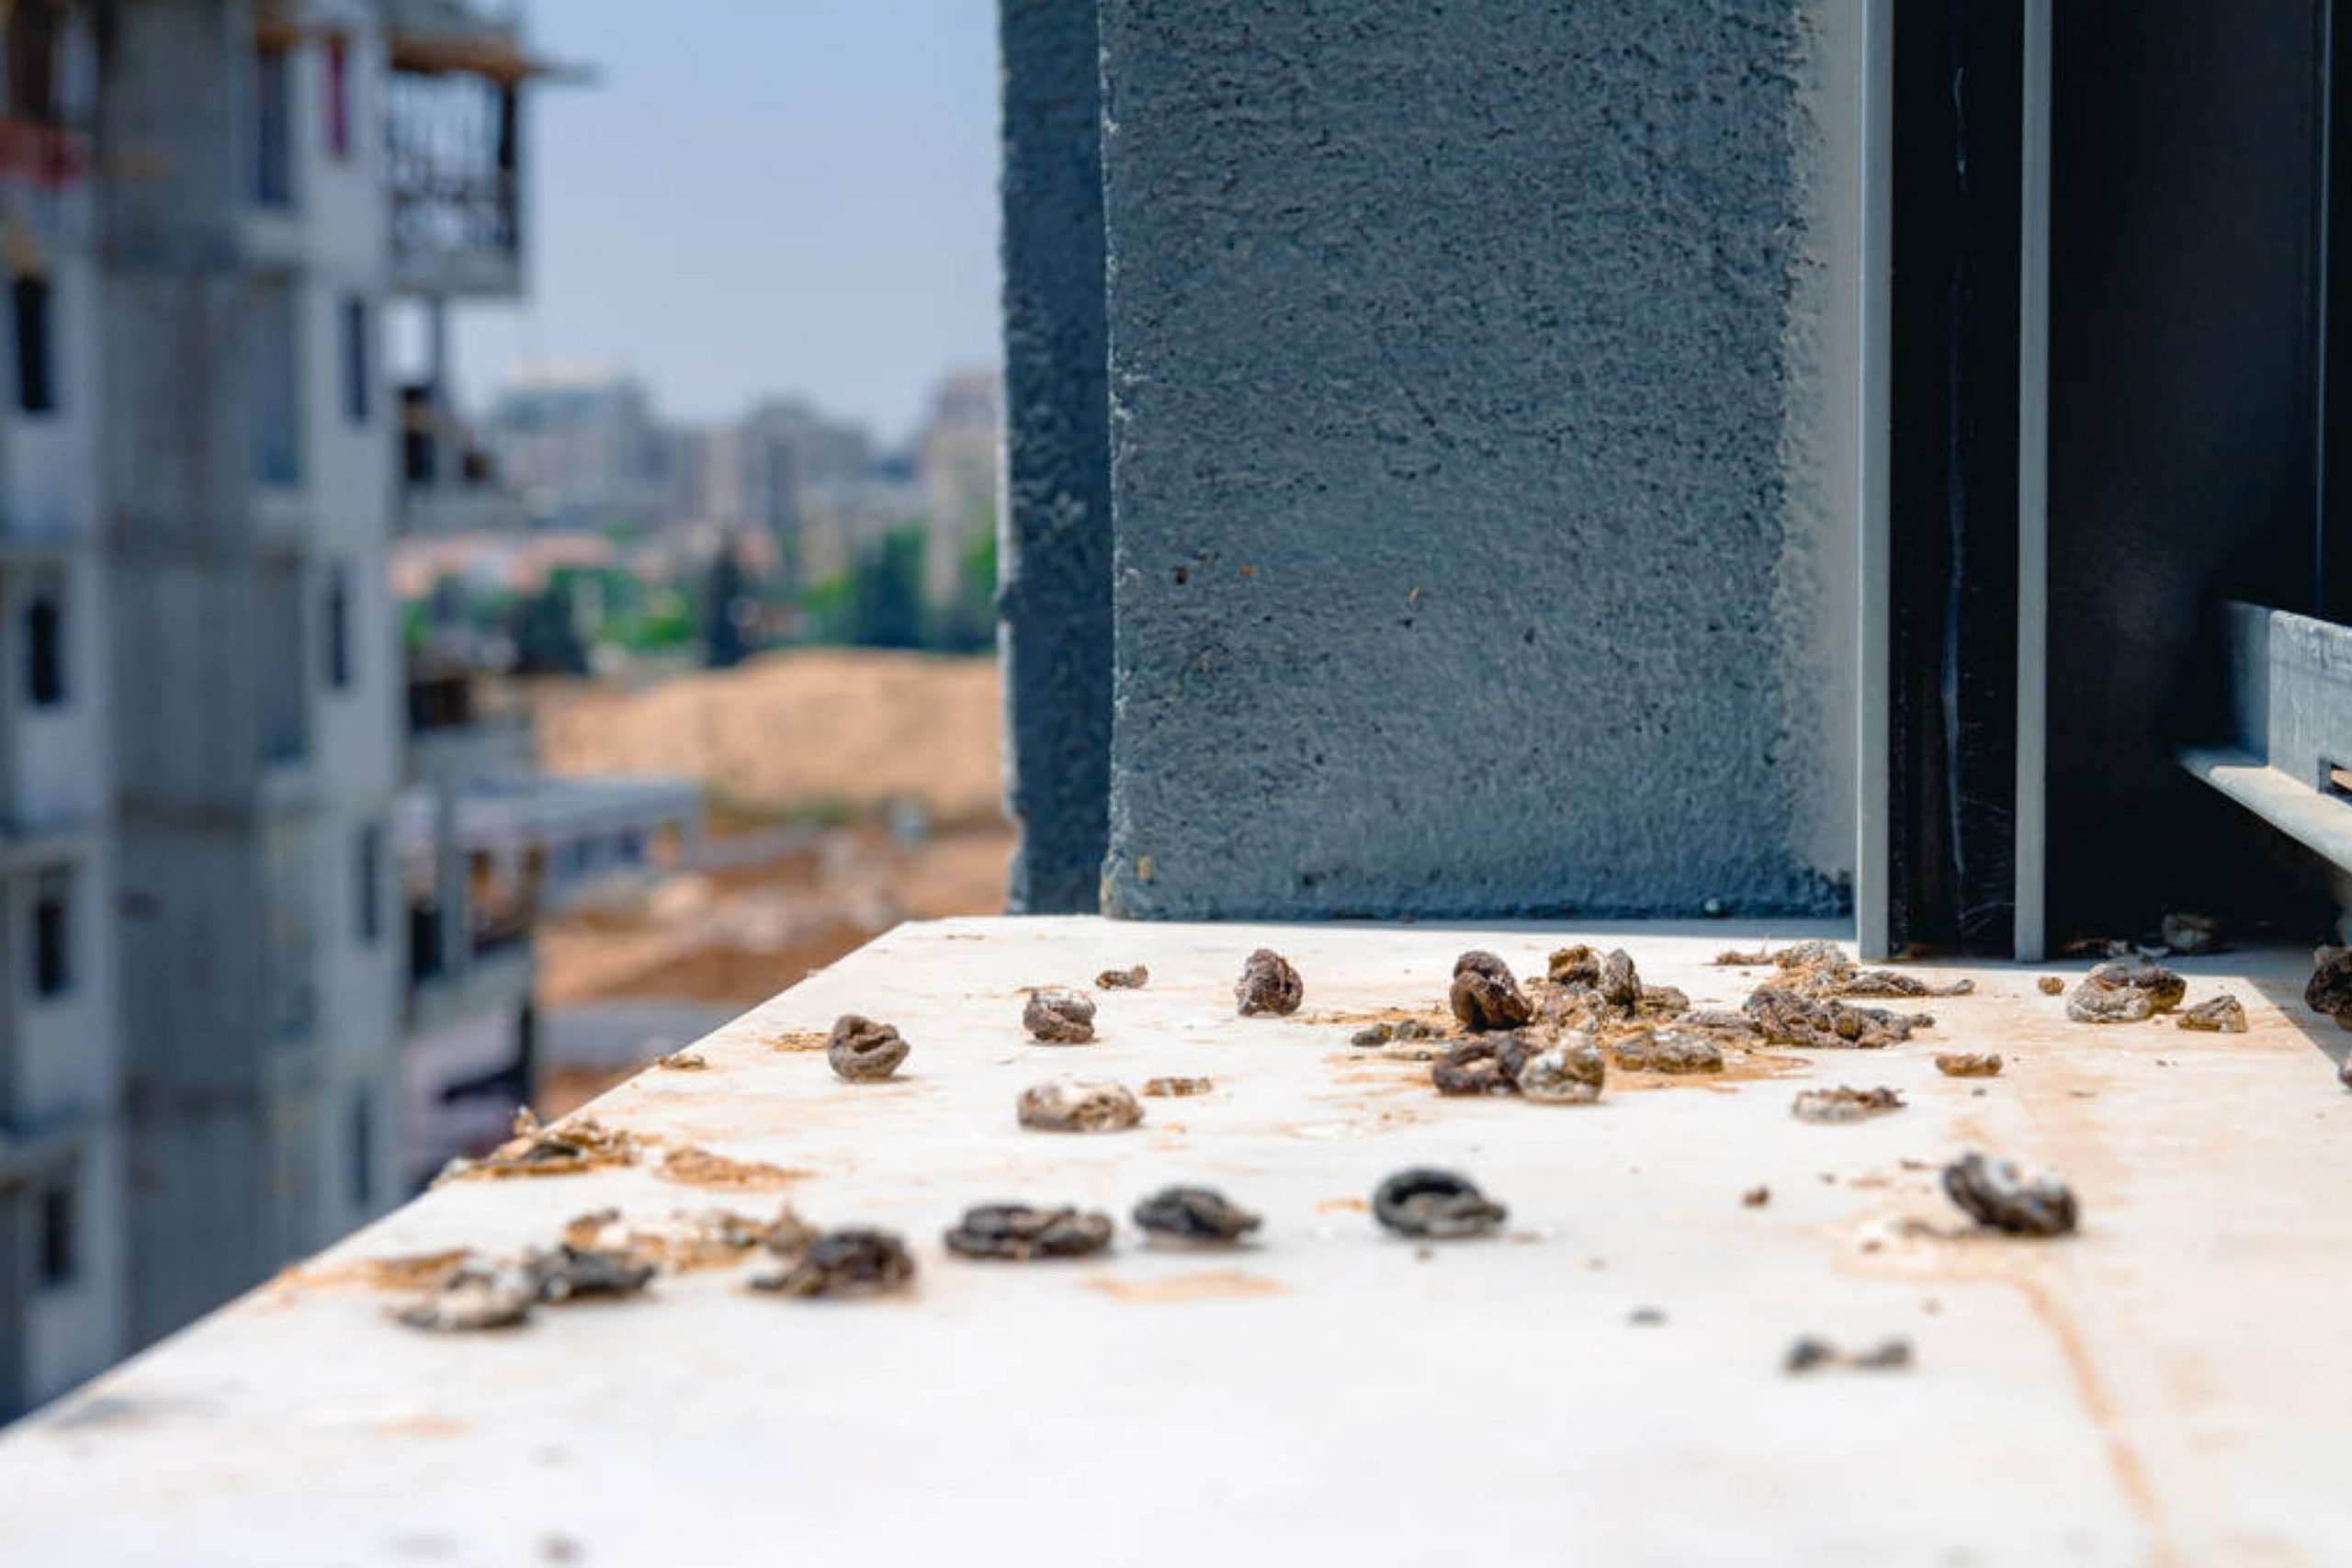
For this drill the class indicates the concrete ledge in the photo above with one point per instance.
(2161, 1387)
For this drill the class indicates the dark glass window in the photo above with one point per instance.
(273, 128)
(282, 650)
(339, 627)
(274, 341)
(52, 936)
(60, 1259)
(32, 61)
(29, 300)
(370, 883)
(339, 97)
(357, 372)
(45, 649)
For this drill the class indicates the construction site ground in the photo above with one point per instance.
(849, 789)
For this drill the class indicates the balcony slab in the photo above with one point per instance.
(1602, 1382)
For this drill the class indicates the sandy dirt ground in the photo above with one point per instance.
(743, 935)
(805, 755)
(841, 729)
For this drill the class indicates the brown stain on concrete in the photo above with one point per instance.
(1913, 1246)
(688, 1251)
(2077, 1066)
(1927, 1241)
(700, 1168)
(1355, 1122)
(2071, 1072)
(1436, 1017)
(1740, 1066)
(1208, 1284)
(2121, 1457)
(1400, 1078)
(406, 1271)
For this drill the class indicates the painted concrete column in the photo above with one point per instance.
(1480, 457)
(1055, 522)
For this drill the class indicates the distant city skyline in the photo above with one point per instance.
(755, 200)
(526, 379)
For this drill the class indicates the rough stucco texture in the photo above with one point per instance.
(1449, 380)
(1056, 601)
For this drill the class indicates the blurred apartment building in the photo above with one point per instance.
(955, 461)
(65, 1306)
(454, 207)
(207, 206)
(586, 449)
(580, 444)
(787, 473)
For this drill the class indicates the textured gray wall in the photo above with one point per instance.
(1056, 544)
(1475, 549)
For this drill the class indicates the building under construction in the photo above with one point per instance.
(209, 206)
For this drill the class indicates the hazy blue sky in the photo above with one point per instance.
(757, 195)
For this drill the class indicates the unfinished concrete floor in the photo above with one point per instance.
(2170, 1385)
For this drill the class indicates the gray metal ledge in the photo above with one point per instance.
(2320, 823)
(2290, 715)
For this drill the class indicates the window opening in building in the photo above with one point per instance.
(45, 647)
(273, 128)
(339, 627)
(355, 357)
(52, 918)
(29, 298)
(274, 345)
(282, 653)
(339, 96)
(33, 37)
(60, 1259)
(371, 883)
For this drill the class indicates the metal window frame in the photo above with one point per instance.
(1952, 574)
(2285, 741)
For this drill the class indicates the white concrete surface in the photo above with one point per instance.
(2171, 1385)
